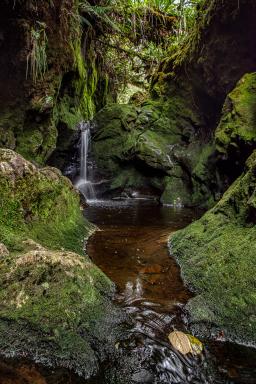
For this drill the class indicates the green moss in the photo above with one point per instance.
(204, 176)
(39, 204)
(56, 306)
(47, 310)
(37, 142)
(11, 119)
(238, 123)
(217, 257)
(128, 178)
(156, 136)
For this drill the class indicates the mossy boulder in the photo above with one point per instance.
(236, 132)
(217, 258)
(40, 204)
(56, 309)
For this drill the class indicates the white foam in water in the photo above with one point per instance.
(84, 185)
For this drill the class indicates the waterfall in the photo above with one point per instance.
(83, 183)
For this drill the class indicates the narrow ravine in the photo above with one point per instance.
(128, 192)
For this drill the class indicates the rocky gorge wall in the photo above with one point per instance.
(172, 134)
(47, 86)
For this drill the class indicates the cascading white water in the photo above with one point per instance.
(84, 185)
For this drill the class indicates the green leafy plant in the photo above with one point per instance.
(37, 57)
(98, 14)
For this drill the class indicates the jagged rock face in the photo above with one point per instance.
(217, 257)
(226, 49)
(218, 53)
(208, 66)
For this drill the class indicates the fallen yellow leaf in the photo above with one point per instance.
(185, 343)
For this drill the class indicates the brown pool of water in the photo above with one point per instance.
(137, 260)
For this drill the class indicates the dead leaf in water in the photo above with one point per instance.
(185, 343)
(180, 341)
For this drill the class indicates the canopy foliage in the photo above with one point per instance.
(132, 37)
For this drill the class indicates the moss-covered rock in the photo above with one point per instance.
(217, 258)
(56, 309)
(154, 144)
(40, 204)
(55, 303)
(236, 132)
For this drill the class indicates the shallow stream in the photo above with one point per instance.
(131, 248)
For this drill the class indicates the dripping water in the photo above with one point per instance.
(84, 184)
